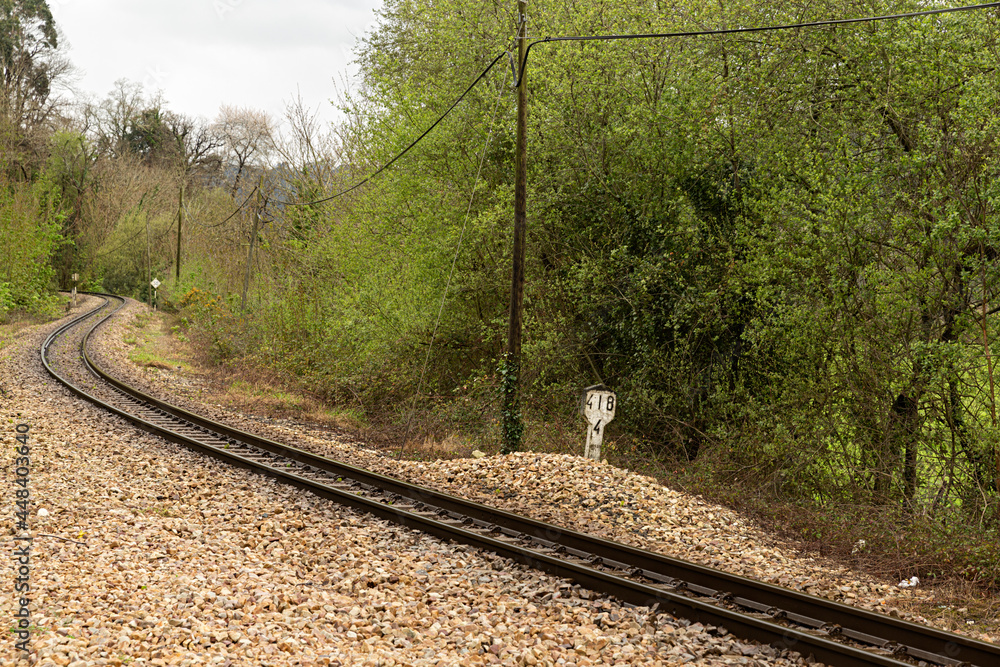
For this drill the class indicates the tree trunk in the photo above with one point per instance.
(904, 426)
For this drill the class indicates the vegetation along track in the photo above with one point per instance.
(830, 632)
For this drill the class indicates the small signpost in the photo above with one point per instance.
(76, 277)
(598, 407)
(155, 284)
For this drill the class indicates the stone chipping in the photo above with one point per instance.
(147, 553)
(580, 494)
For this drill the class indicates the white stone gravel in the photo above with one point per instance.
(577, 493)
(149, 554)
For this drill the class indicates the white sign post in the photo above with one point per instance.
(155, 284)
(599, 406)
(76, 276)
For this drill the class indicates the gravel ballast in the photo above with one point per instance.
(576, 493)
(146, 553)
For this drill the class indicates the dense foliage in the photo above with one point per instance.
(778, 247)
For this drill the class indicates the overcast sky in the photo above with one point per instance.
(203, 53)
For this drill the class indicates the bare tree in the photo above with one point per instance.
(248, 138)
(128, 123)
(113, 118)
(310, 157)
(308, 147)
(199, 146)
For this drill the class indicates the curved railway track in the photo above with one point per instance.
(830, 632)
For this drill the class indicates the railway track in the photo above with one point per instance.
(830, 632)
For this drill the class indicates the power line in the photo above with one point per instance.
(608, 38)
(736, 31)
(162, 234)
(119, 246)
(406, 150)
(138, 210)
(451, 273)
(233, 214)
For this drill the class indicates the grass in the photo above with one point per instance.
(254, 390)
(959, 561)
(154, 346)
(160, 340)
(430, 448)
(13, 322)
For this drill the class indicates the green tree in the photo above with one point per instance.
(28, 42)
(777, 248)
(30, 66)
(29, 236)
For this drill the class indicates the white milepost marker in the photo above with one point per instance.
(599, 406)
(155, 284)
(76, 276)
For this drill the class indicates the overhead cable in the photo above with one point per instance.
(736, 31)
(451, 272)
(238, 209)
(608, 38)
(406, 150)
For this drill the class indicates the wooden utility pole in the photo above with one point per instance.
(253, 240)
(149, 270)
(180, 225)
(513, 427)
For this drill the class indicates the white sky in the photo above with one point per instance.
(204, 53)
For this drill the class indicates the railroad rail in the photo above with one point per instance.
(829, 632)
